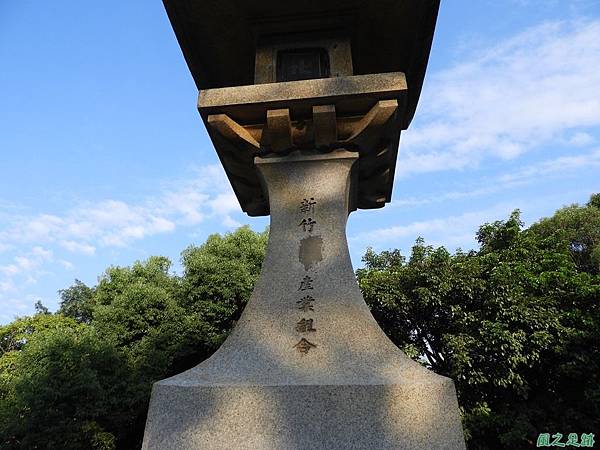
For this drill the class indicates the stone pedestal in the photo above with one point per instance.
(307, 366)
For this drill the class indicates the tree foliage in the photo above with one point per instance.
(220, 274)
(61, 386)
(82, 378)
(77, 301)
(579, 228)
(516, 324)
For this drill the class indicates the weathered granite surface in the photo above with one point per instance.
(349, 93)
(307, 366)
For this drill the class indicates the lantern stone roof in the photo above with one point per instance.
(219, 37)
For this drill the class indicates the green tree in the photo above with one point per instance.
(153, 324)
(579, 227)
(16, 335)
(220, 274)
(61, 386)
(515, 324)
(77, 301)
(141, 311)
(40, 308)
(137, 309)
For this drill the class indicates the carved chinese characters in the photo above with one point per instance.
(310, 254)
(305, 326)
(304, 346)
(306, 283)
(308, 206)
(306, 304)
(308, 224)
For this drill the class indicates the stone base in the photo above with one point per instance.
(393, 416)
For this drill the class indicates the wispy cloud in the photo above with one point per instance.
(116, 223)
(67, 265)
(563, 166)
(78, 247)
(26, 263)
(27, 243)
(13, 307)
(537, 87)
(580, 139)
(452, 231)
(22, 271)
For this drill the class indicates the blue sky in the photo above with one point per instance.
(104, 159)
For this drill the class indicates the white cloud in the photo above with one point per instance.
(224, 204)
(136, 231)
(10, 270)
(39, 228)
(16, 306)
(580, 139)
(188, 204)
(115, 223)
(562, 166)
(26, 263)
(6, 286)
(78, 247)
(42, 253)
(66, 264)
(509, 99)
(451, 232)
(230, 222)
(109, 223)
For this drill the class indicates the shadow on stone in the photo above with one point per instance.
(351, 389)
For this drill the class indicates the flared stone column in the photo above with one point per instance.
(307, 366)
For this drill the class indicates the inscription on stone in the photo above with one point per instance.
(310, 253)
(307, 224)
(305, 326)
(308, 205)
(306, 283)
(306, 304)
(304, 346)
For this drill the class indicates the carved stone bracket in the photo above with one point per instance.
(358, 113)
(233, 131)
(325, 125)
(278, 133)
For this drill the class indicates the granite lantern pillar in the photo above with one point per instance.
(305, 104)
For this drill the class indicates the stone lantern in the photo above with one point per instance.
(304, 103)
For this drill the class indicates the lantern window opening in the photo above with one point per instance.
(302, 64)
